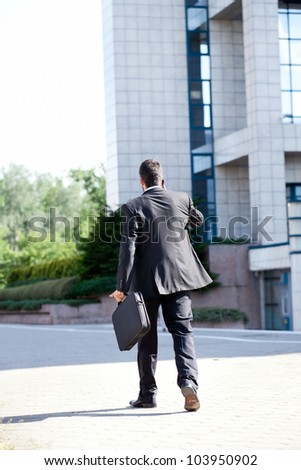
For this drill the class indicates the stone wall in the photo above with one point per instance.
(239, 287)
(64, 314)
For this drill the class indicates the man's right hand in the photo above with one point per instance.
(118, 295)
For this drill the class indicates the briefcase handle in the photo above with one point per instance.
(122, 300)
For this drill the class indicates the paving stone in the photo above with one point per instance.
(69, 388)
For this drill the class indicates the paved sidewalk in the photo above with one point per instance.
(68, 387)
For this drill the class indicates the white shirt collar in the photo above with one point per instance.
(151, 187)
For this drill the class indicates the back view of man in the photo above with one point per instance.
(157, 259)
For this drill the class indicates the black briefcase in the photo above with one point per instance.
(130, 321)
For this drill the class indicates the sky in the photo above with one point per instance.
(51, 85)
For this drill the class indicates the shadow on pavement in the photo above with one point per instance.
(107, 413)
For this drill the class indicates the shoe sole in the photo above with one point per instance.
(147, 405)
(191, 399)
(144, 405)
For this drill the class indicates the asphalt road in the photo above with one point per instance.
(68, 387)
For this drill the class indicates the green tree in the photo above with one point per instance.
(25, 196)
(101, 251)
(65, 196)
(17, 202)
(94, 186)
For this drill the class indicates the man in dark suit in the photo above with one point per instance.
(157, 259)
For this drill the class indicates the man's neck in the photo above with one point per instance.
(151, 187)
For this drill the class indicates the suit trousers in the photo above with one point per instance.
(177, 313)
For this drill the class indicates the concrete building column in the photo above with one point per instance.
(264, 120)
(296, 290)
(294, 214)
(146, 86)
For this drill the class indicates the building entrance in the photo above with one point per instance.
(278, 304)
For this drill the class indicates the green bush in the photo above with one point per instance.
(4, 304)
(218, 314)
(29, 305)
(93, 287)
(55, 289)
(54, 269)
(27, 282)
(13, 305)
(67, 288)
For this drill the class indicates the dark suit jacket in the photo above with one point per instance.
(156, 255)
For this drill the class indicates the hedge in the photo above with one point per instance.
(54, 269)
(66, 288)
(53, 289)
(218, 314)
(93, 287)
(12, 305)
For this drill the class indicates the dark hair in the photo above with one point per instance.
(151, 172)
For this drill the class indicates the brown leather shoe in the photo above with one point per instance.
(191, 399)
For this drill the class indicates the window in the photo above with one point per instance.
(202, 165)
(293, 192)
(289, 21)
(199, 81)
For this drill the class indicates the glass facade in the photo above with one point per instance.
(199, 84)
(289, 20)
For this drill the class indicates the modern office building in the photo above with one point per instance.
(213, 90)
